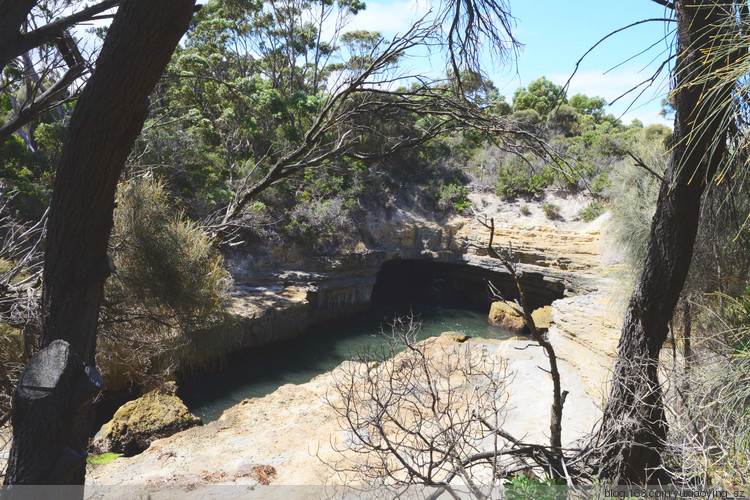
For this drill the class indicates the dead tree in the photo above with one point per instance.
(429, 415)
(522, 308)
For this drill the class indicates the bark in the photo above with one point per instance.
(51, 392)
(634, 428)
(13, 15)
(107, 119)
(558, 394)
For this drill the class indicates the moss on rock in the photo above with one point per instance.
(155, 415)
(542, 317)
(504, 316)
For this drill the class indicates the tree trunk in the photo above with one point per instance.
(634, 428)
(106, 121)
(52, 390)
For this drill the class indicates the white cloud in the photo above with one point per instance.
(612, 85)
(389, 19)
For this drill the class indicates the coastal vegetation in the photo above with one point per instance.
(262, 129)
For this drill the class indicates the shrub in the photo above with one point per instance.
(522, 486)
(525, 210)
(551, 211)
(514, 181)
(318, 221)
(712, 437)
(452, 197)
(168, 279)
(592, 211)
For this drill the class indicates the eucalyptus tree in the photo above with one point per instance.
(51, 425)
(710, 101)
(541, 95)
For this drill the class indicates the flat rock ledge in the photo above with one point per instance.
(296, 436)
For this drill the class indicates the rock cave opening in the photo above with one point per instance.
(455, 285)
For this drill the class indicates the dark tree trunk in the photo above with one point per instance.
(13, 15)
(107, 119)
(634, 428)
(55, 383)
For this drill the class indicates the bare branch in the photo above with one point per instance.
(20, 44)
(639, 162)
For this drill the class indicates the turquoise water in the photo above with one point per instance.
(261, 371)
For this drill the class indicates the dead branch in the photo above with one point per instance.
(640, 163)
(558, 395)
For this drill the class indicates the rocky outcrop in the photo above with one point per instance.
(157, 414)
(553, 261)
(585, 331)
(504, 316)
(542, 317)
(296, 433)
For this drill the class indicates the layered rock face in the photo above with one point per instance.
(554, 262)
(293, 436)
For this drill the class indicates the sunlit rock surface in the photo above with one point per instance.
(296, 432)
(157, 414)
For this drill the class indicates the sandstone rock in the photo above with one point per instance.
(459, 337)
(294, 437)
(542, 317)
(585, 332)
(137, 423)
(502, 315)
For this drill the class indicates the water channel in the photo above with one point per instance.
(260, 371)
(445, 297)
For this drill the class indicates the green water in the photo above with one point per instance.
(261, 371)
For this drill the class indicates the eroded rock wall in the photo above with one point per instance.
(282, 304)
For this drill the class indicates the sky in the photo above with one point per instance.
(555, 35)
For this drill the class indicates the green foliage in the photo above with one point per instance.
(27, 176)
(601, 184)
(102, 459)
(591, 211)
(563, 119)
(527, 118)
(522, 487)
(658, 133)
(551, 211)
(452, 196)
(718, 403)
(525, 210)
(169, 279)
(633, 192)
(542, 96)
(593, 106)
(12, 361)
(519, 176)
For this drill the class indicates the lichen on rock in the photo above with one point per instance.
(542, 317)
(155, 415)
(504, 316)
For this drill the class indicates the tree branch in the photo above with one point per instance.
(17, 44)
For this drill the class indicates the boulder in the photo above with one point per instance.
(504, 316)
(459, 337)
(155, 415)
(542, 317)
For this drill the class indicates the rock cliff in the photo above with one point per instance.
(290, 437)
(556, 259)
